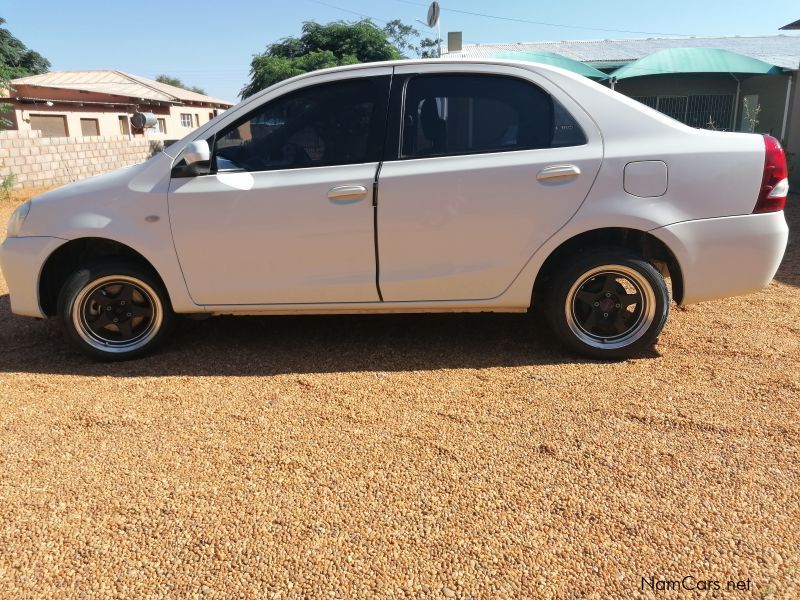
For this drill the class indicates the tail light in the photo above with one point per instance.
(775, 182)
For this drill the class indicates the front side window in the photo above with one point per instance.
(328, 124)
(468, 114)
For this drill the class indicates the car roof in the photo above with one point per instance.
(444, 62)
(435, 61)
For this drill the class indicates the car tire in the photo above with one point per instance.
(114, 310)
(607, 303)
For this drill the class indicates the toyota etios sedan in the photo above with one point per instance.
(414, 186)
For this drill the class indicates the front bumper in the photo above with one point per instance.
(726, 256)
(22, 259)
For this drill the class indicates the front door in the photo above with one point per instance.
(286, 215)
(487, 167)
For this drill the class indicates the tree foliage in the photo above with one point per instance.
(5, 88)
(174, 81)
(331, 45)
(16, 59)
(403, 36)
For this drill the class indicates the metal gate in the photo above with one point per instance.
(709, 111)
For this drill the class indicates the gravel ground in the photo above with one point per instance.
(405, 456)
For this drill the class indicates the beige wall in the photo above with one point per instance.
(106, 109)
(198, 115)
(108, 120)
(47, 161)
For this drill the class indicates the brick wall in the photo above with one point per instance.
(40, 162)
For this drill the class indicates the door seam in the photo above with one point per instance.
(375, 231)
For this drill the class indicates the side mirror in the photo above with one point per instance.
(197, 151)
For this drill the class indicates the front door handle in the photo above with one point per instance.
(558, 173)
(344, 194)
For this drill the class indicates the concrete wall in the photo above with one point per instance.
(41, 162)
(771, 91)
(793, 134)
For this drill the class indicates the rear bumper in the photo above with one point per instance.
(727, 256)
(21, 260)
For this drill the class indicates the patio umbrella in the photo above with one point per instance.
(695, 60)
(556, 60)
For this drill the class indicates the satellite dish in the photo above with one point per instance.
(433, 14)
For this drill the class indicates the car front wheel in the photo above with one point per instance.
(114, 310)
(608, 304)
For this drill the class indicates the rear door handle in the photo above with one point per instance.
(344, 194)
(558, 173)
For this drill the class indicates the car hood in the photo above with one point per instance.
(134, 177)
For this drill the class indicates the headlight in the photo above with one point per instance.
(17, 219)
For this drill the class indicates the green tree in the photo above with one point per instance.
(5, 88)
(428, 48)
(16, 58)
(321, 46)
(6, 181)
(174, 81)
(403, 37)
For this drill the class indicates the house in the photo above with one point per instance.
(761, 102)
(104, 103)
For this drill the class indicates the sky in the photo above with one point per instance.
(210, 43)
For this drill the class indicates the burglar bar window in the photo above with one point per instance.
(707, 111)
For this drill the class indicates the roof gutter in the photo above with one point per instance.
(29, 100)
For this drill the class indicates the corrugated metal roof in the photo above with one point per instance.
(117, 83)
(185, 95)
(780, 50)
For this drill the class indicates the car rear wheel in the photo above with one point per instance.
(114, 310)
(608, 303)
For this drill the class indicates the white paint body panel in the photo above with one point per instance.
(280, 241)
(114, 206)
(727, 256)
(454, 233)
(21, 260)
(646, 178)
(462, 227)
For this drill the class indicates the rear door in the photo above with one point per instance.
(485, 167)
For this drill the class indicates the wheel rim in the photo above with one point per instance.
(117, 313)
(610, 307)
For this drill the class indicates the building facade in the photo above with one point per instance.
(103, 103)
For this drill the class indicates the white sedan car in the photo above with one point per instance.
(413, 186)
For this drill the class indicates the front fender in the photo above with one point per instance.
(128, 206)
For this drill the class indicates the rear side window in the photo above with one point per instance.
(468, 114)
(329, 124)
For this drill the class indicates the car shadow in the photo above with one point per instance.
(789, 271)
(273, 345)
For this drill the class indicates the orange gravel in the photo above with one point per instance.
(427, 456)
